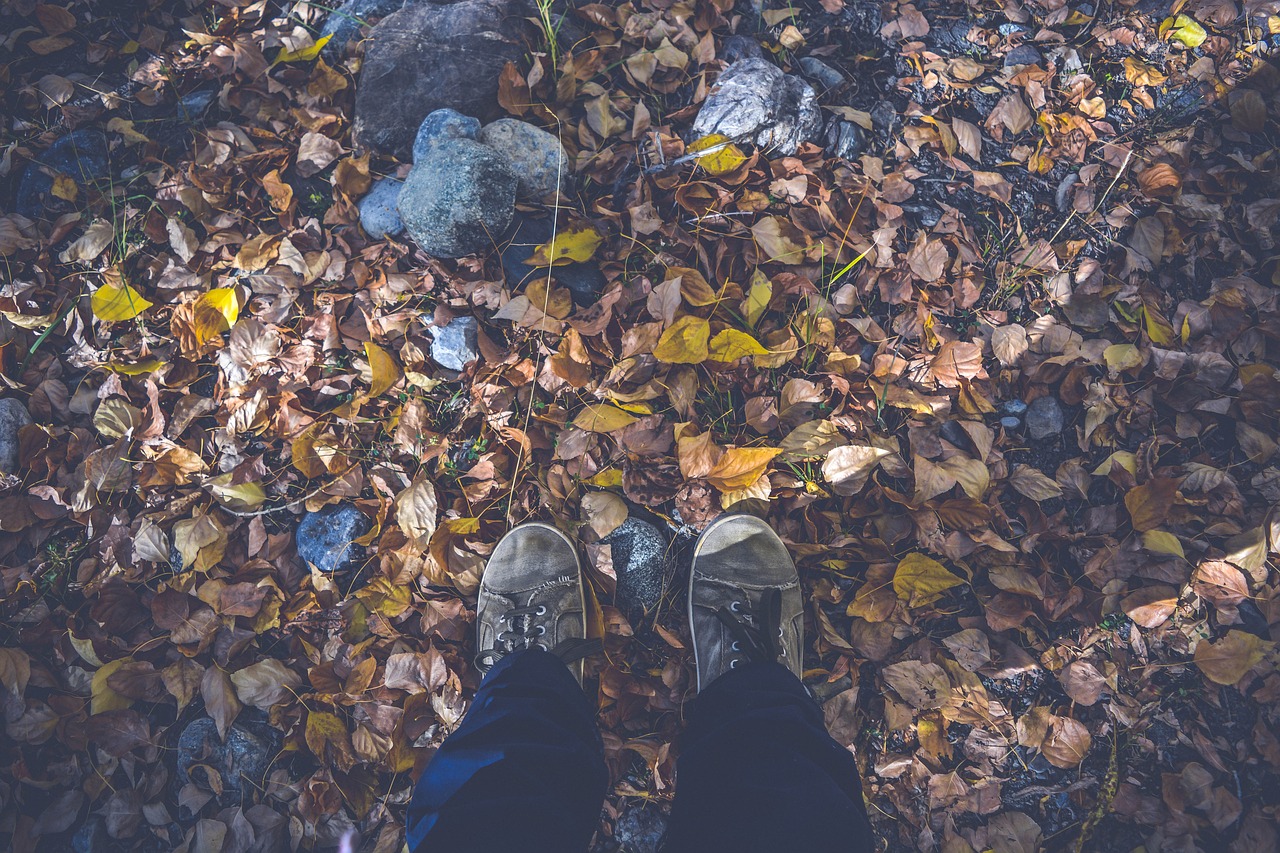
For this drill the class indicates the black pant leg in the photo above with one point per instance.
(758, 772)
(524, 772)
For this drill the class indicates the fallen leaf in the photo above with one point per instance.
(920, 580)
(721, 156)
(116, 302)
(603, 417)
(1230, 658)
(575, 243)
(684, 342)
(740, 467)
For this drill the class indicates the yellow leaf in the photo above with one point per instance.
(1227, 661)
(1185, 30)
(240, 496)
(721, 156)
(215, 312)
(1163, 542)
(575, 243)
(740, 467)
(116, 302)
(1140, 73)
(1158, 328)
(684, 342)
(146, 365)
(385, 370)
(609, 478)
(731, 345)
(602, 417)
(65, 188)
(753, 307)
(302, 54)
(1126, 459)
(1122, 357)
(103, 697)
(921, 580)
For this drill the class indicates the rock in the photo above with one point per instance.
(458, 199)
(539, 160)
(13, 417)
(843, 138)
(241, 762)
(754, 101)
(884, 118)
(345, 22)
(1045, 418)
(953, 38)
(1013, 408)
(192, 106)
(455, 346)
(429, 56)
(639, 560)
(442, 125)
(954, 433)
(81, 156)
(639, 829)
(737, 47)
(821, 73)
(1023, 54)
(91, 837)
(378, 215)
(1010, 422)
(584, 280)
(326, 538)
(1012, 29)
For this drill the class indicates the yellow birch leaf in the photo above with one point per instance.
(385, 370)
(921, 580)
(226, 301)
(721, 156)
(1227, 661)
(1158, 328)
(215, 312)
(740, 467)
(575, 243)
(731, 345)
(753, 307)
(103, 697)
(1163, 542)
(238, 496)
(602, 417)
(302, 54)
(114, 303)
(146, 365)
(1185, 30)
(684, 342)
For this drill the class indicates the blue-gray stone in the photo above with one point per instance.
(1010, 422)
(754, 101)
(640, 829)
(378, 214)
(639, 553)
(326, 538)
(13, 417)
(242, 761)
(583, 280)
(458, 199)
(192, 106)
(81, 156)
(454, 345)
(843, 138)
(1023, 54)
(1045, 418)
(442, 125)
(536, 156)
(1016, 408)
(821, 73)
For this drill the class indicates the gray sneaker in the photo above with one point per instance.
(744, 599)
(531, 596)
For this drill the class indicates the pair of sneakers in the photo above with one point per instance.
(744, 598)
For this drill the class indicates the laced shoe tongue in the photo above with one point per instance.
(757, 634)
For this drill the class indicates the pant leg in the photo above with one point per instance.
(524, 772)
(758, 772)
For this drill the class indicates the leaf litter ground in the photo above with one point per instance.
(1040, 625)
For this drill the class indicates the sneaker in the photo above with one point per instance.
(531, 597)
(744, 599)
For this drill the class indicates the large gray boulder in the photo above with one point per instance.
(458, 199)
(429, 56)
(13, 417)
(440, 126)
(755, 101)
(537, 157)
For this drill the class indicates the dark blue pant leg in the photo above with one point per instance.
(524, 773)
(758, 772)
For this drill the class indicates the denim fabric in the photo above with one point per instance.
(525, 773)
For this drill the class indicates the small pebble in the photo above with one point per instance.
(1009, 422)
(454, 346)
(1045, 418)
(639, 559)
(1023, 54)
(1016, 408)
(326, 538)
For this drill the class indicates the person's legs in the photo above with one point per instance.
(758, 772)
(757, 769)
(525, 771)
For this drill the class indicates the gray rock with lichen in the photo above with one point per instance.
(454, 345)
(326, 538)
(536, 156)
(755, 101)
(639, 552)
(458, 199)
(441, 126)
(378, 214)
(13, 417)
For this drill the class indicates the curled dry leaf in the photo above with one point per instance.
(847, 468)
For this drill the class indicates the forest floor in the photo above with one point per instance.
(1001, 382)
